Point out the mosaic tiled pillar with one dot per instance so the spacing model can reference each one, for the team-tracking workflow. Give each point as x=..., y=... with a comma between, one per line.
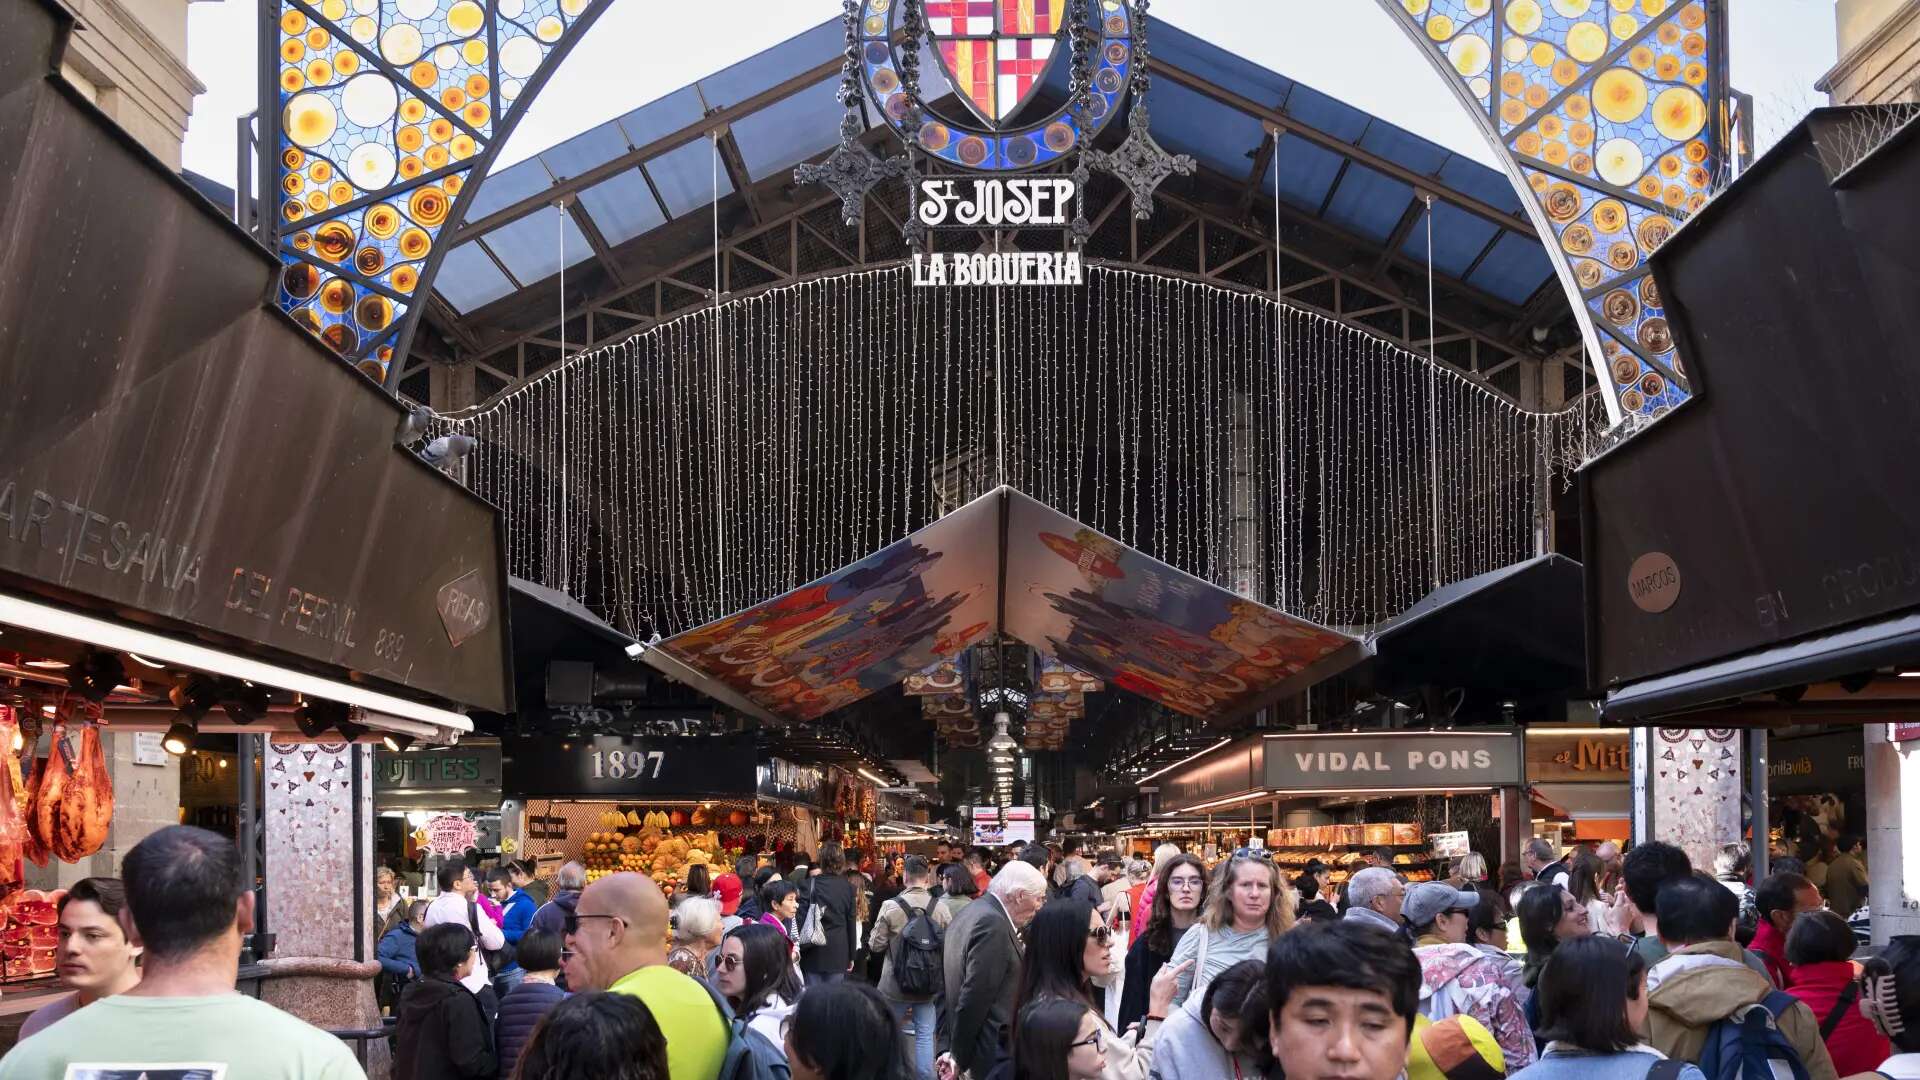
x=318, y=821
x=1695, y=782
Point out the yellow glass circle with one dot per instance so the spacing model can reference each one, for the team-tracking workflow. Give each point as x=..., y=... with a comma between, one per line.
x=429, y=206
x=1541, y=54
x=345, y=63
x=1693, y=17
x=1477, y=8
x=293, y=183
x=382, y=222
x=309, y=120
x=1514, y=49
x=1586, y=42
x=435, y=156
x=1554, y=152
x=413, y=110
x=340, y=192
x=465, y=17
x=1609, y=216
x=476, y=86
x=1572, y=9
x=1668, y=34
x=1550, y=127
x=404, y=278
x=1577, y=107
x=320, y=72
x=1565, y=72
x=1620, y=95
x=363, y=29
x=453, y=97
x=1440, y=27
x=1581, y=163
x=1640, y=57
x=1625, y=26
x=321, y=170
x=410, y=167
x=333, y=240
x=334, y=9
x=462, y=148
x=1696, y=74
x=549, y=29
x=474, y=51
x=1414, y=7
x=1679, y=113
x=1653, y=7
x=409, y=139
x=291, y=80
x=293, y=22
x=440, y=129
x=423, y=74
x=1528, y=143
x=1669, y=166
x=318, y=38
x=1536, y=96
x=336, y=296
x=476, y=113
x=1523, y=16
x=1667, y=68
x=1650, y=186
x=414, y=243
x=293, y=50
x=1581, y=134
x=1620, y=161
x=316, y=201
x=1471, y=55
x=452, y=183
x=1513, y=111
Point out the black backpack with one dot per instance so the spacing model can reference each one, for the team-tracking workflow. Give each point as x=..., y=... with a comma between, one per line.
x=915, y=954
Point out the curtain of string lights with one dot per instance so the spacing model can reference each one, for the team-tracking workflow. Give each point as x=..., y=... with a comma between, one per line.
x=724, y=458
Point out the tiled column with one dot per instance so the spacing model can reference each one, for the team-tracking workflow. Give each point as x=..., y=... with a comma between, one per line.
x=318, y=822
x=1695, y=781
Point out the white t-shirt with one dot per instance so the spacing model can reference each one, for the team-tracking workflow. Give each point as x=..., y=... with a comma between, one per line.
x=451, y=907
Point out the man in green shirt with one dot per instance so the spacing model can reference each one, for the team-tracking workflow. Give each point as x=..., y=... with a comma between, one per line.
x=188, y=907
x=618, y=936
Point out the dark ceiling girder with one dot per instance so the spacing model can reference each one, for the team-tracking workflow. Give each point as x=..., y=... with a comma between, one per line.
x=718, y=119
x=595, y=240
x=1352, y=152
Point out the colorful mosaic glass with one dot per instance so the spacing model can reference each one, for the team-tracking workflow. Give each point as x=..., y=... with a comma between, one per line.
x=385, y=110
x=1606, y=108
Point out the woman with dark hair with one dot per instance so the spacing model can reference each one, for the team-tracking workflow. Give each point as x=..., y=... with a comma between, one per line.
x=1593, y=1005
x=1059, y=1040
x=780, y=907
x=751, y=888
x=1583, y=880
x=1312, y=882
x=1246, y=909
x=846, y=1031
x=959, y=889
x=538, y=954
x=831, y=892
x=443, y=1031
x=755, y=974
x=699, y=881
x=1178, y=893
x=1222, y=1033
x=597, y=1036
x=95, y=958
x=1067, y=956
x=1820, y=955
x=1549, y=917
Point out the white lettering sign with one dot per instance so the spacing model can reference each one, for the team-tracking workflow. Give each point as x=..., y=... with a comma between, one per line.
x=1000, y=203
x=999, y=268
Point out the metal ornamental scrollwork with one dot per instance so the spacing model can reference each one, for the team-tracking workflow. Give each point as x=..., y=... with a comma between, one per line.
x=1140, y=162
x=852, y=170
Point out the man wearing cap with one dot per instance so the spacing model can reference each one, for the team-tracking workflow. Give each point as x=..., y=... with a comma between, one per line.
x=1456, y=978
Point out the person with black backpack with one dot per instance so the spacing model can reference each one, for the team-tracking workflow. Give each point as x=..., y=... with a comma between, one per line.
x=909, y=931
x=1706, y=1006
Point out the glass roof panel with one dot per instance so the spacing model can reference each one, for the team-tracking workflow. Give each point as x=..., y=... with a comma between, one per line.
x=622, y=207
x=1307, y=171
x=1514, y=270
x=1219, y=136
x=685, y=177
x=1368, y=203
x=531, y=247
x=468, y=279
x=1458, y=239
x=789, y=131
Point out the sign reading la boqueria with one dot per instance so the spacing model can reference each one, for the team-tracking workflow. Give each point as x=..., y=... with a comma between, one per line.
x=1036, y=202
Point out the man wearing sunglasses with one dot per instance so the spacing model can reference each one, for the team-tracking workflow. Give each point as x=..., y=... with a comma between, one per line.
x=617, y=938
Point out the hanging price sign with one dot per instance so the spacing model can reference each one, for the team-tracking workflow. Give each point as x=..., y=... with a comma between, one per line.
x=451, y=834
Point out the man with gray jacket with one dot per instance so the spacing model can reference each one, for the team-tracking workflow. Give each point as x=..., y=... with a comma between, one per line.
x=923, y=1010
x=981, y=956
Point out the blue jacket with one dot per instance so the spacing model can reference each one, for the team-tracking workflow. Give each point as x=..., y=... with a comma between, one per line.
x=520, y=1010
x=516, y=916
x=398, y=952
x=552, y=915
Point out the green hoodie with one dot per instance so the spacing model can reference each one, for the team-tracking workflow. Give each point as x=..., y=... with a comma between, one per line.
x=1699, y=985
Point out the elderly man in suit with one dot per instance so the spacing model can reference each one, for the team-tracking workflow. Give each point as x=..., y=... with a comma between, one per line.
x=981, y=956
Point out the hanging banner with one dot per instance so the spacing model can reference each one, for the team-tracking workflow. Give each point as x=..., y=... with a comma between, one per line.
x=450, y=834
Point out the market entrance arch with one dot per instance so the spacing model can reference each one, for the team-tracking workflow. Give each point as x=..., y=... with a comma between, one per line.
x=1607, y=115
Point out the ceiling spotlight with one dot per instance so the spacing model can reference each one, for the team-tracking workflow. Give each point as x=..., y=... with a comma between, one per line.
x=395, y=741
x=154, y=664
x=47, y=665
x=314, y=717
x=351, y=731
x=179, y=738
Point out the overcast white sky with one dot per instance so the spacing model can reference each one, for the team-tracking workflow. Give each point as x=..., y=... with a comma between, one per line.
x=643, y=49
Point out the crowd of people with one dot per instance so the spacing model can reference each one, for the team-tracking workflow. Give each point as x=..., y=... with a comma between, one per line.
x=1038, y=964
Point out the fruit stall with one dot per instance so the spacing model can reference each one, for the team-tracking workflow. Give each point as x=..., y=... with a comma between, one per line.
x=660, y=805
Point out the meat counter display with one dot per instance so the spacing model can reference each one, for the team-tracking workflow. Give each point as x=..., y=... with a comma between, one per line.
x=59, y=806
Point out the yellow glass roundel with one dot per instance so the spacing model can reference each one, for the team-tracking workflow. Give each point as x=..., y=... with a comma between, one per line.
x=1586, y=42
x=1620, y=95
x=310, y=120
x=1620, y=161
x=465, y=18
x=1523, y=16
x=1679, y=113
x=1572, y=9
x=1470, y=54
x=1414, y=7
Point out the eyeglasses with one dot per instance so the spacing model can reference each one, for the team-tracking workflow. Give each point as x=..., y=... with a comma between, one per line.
x=728, y=963
x=572, y=924
x=1103, y=935
x=1184, y=882
x=1094, y=1040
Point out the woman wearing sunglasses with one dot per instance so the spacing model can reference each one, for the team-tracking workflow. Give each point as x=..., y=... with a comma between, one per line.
x=1059, y=1039
x=1178, y=893
x=755, y=974
x=1067, y=956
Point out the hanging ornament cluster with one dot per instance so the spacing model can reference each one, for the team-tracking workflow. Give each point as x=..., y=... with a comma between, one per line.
x=852, y=170
x=735, y=454
x=1139, y=162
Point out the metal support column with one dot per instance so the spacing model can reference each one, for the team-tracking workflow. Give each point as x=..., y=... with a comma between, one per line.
x=1757, y=800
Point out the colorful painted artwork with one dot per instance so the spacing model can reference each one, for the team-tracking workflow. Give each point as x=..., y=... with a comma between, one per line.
x=945, y=676
x=1144, y=627
x=1697, y=788
x=870, y=625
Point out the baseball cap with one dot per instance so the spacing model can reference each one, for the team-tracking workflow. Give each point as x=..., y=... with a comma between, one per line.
x=1431, y=898
x=728, y=886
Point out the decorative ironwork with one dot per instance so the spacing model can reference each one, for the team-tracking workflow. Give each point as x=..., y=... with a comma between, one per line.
x=1080, y=93
x=852, y=170
x=1140, y=162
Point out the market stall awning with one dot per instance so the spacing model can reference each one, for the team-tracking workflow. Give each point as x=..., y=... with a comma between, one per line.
x=1007, y=562
x=1883, y=643
x=1515, y=631
x=180, y=459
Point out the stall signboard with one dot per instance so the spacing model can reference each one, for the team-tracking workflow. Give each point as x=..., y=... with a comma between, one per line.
x=987, y=831
x=460, y=768
x=1016, y=825
x=450, y=834
x=1219, y=774
x=1903, y=732
x=1400, y=760
x=1814, y=764
x=785, y=781
x=624, y=767
x=1450, y=845
x=1596, y=757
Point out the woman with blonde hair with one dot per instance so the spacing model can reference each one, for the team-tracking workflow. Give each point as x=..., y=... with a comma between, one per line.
x=1471, y=871
x=1247, y=907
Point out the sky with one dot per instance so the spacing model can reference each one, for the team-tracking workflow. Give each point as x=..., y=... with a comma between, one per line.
x=641, y=50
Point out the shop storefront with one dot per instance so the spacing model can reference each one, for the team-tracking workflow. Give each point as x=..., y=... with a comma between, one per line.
x=1337, y=797
x=417, y=797
x=1816, y=790
x=660, y=805
x=1581, y=784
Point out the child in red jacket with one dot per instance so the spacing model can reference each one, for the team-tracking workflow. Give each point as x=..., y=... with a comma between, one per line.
x=1820, y=950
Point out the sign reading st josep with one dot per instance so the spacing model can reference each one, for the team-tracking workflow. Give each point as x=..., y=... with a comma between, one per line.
x=987, y=203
